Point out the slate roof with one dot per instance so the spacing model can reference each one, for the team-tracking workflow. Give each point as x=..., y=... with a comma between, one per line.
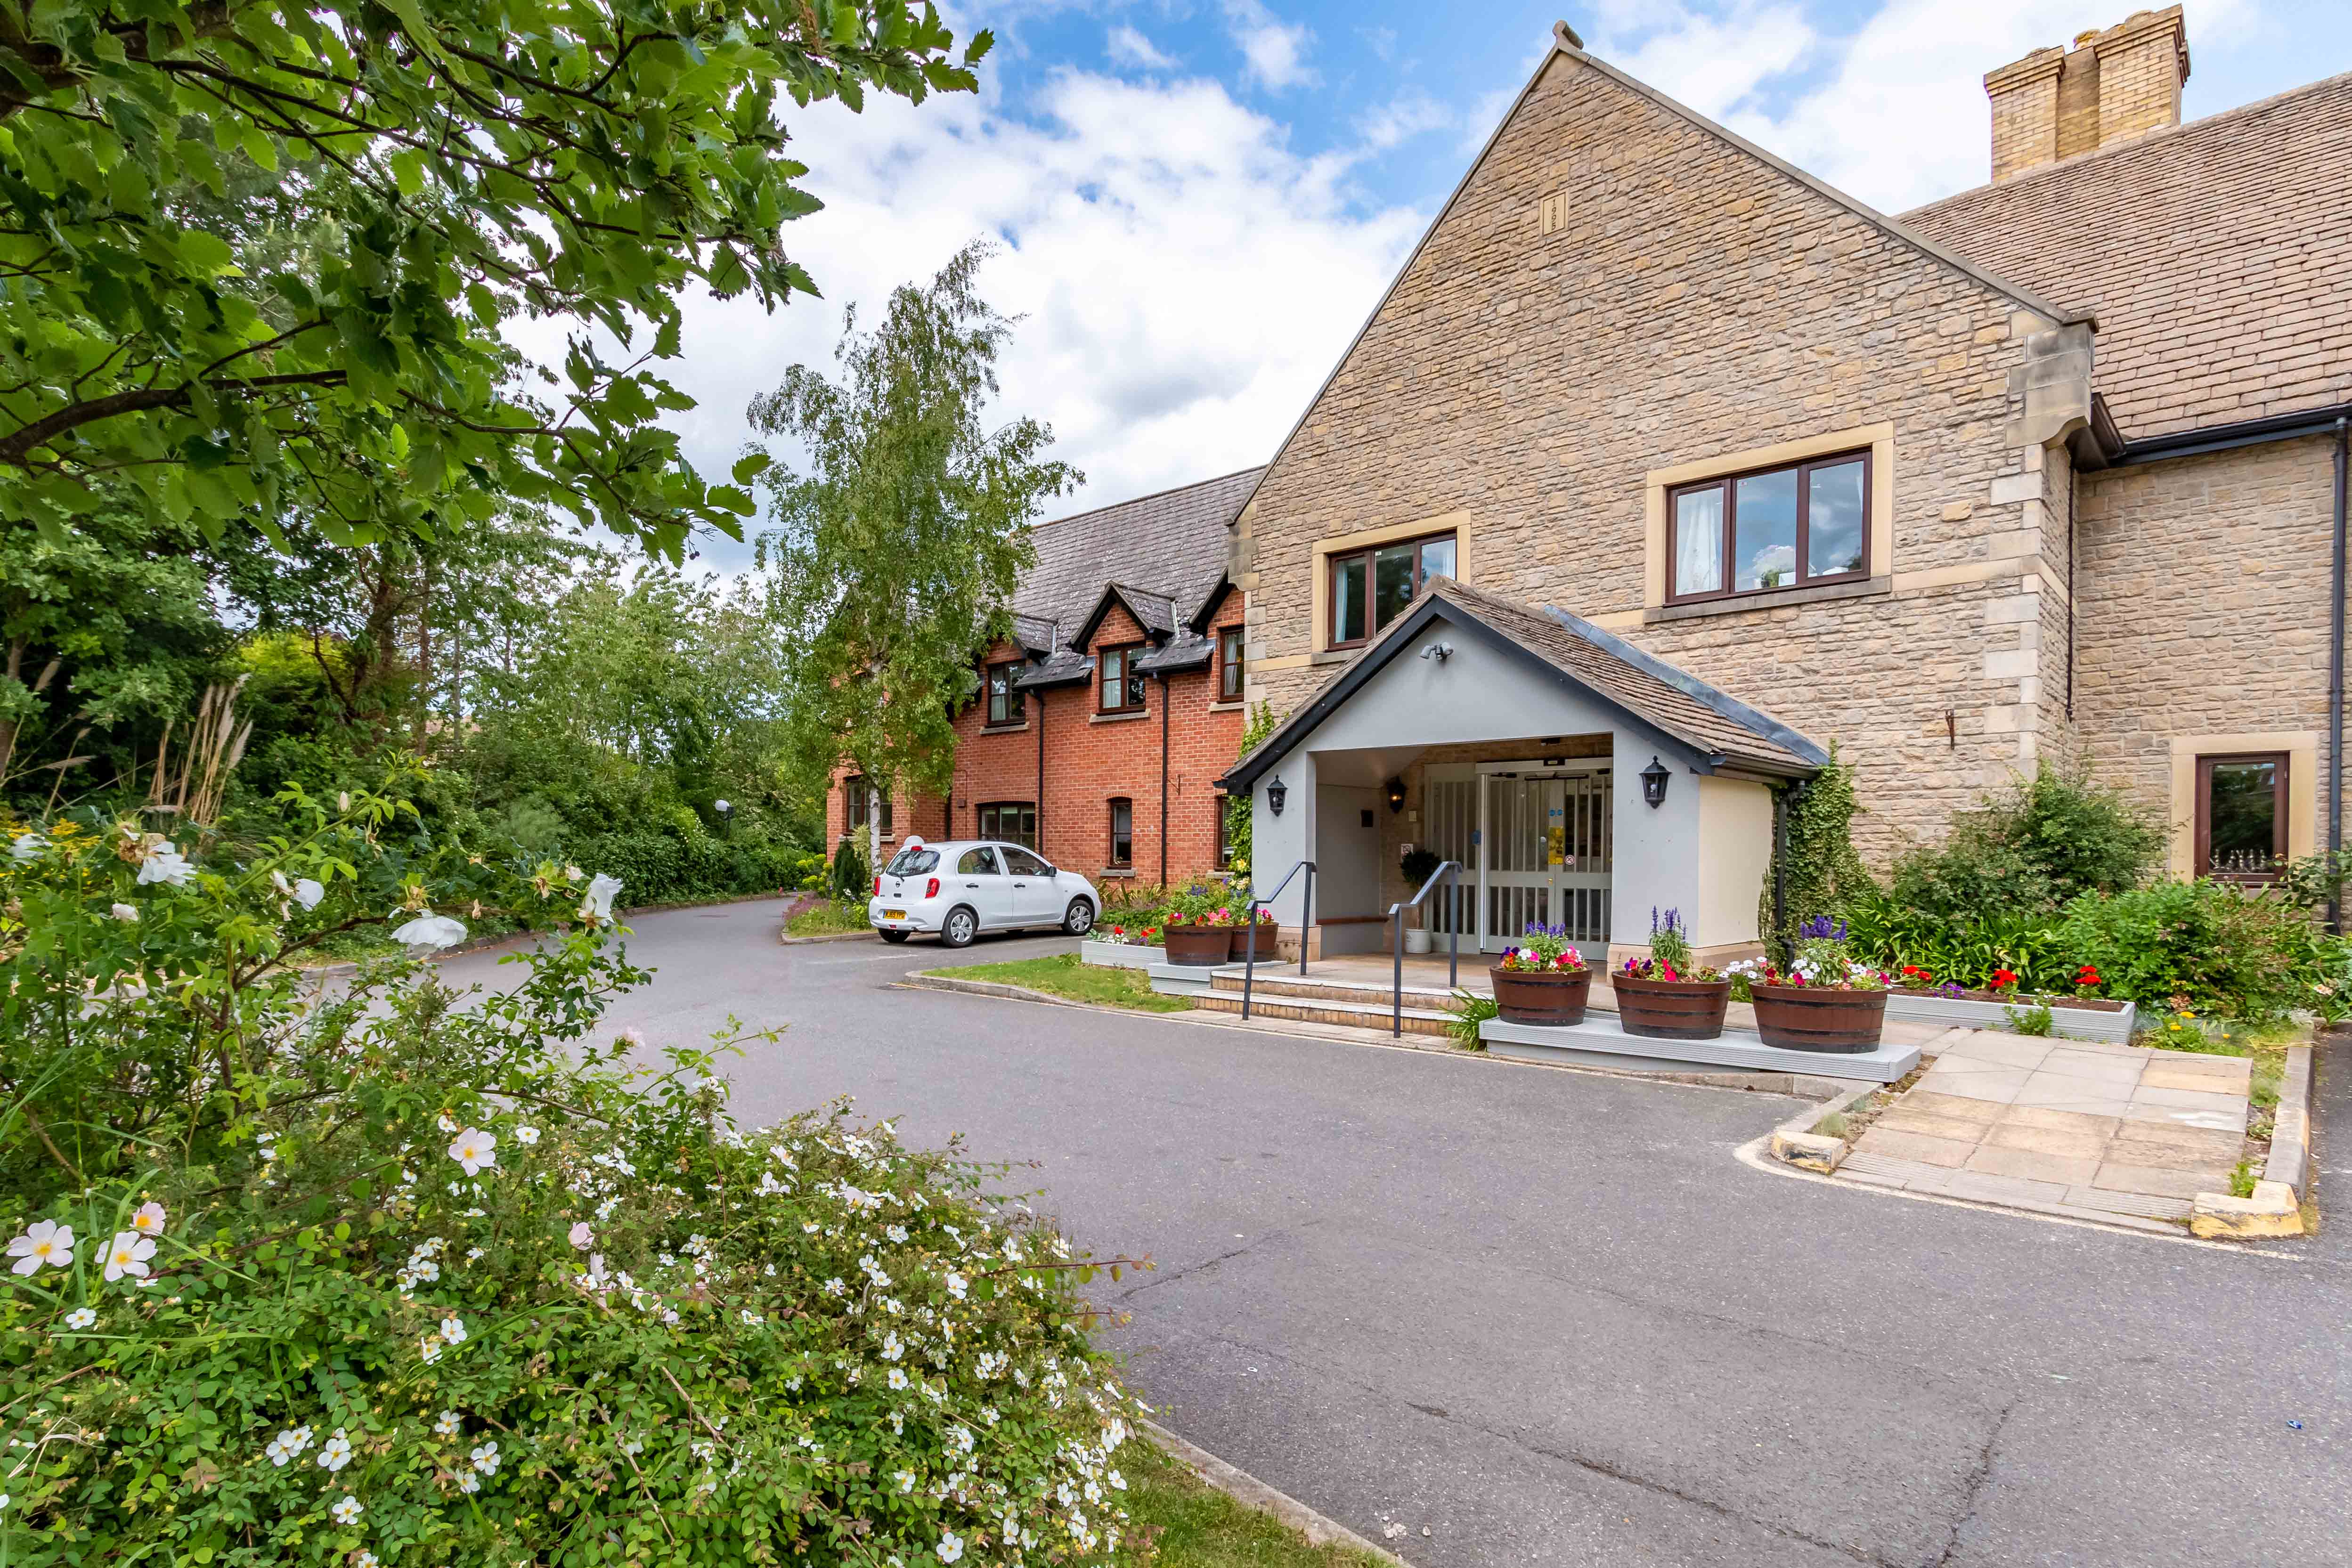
x=1169, y=547
x=1188, y=649
x=1709, y=721
x=2215, y=255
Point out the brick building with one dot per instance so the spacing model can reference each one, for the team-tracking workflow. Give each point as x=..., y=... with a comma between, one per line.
x=2048, y=469
x=1101, y=728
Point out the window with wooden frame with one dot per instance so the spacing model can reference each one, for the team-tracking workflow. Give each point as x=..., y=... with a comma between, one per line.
x=1370, y=586
x=2241, y=815
x=1229, y=664
x=1004, y=699
x=1122, y=686
x=858, y=798
x=1014, y=821
x=1122, y=832
x=1224, y=833
x=1790, y=527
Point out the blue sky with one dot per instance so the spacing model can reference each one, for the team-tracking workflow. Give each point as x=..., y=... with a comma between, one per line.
x=1195, y=204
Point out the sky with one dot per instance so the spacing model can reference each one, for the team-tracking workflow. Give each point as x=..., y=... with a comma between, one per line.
x=1196, y=202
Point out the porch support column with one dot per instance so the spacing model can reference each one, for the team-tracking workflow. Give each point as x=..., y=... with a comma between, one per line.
x=1278, y=843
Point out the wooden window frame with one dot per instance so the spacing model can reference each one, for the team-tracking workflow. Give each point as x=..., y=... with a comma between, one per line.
x=1114, y=862
x=853, y=791
x=2201, y=853
x=1015, y=701
x=1134, y=685
x=1728, y=484
x=1231, y=662
x=987, y=822
x=1224, y=833
x=1361, y=561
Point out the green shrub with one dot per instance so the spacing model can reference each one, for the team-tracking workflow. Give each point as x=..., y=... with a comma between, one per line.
x=2219, y=947
x=2032, y=849
x=1962, y=948
x=1819, y=870
x=1468, y=1009
x=413, y=1277
x=851, y=877
x=679, y=867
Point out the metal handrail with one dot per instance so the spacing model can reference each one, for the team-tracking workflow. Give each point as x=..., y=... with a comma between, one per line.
x=1450, y=872
x=1305, y=925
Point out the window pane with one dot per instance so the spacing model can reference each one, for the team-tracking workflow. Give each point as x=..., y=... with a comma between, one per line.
x=1764, y=522
x=1114, y=667
x=1436, y=560
x=1021, y=863
x=2244, y=813
x=1833, y=520
x=1699, y=541
x=1135, y=680
x=977, y=862
x=999, y=687
x=1122, y=832
x=1348, y=599
x=1391, y=581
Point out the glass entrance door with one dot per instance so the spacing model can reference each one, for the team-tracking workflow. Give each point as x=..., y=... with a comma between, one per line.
x=1545, y=854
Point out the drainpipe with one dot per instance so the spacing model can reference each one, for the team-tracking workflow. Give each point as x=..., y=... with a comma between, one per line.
x=1040, y=807
x=2071, y=592
x=1163, y=778
x=1780, y=868
x=2335, y=686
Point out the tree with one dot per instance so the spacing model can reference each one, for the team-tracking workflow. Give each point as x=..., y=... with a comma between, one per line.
x=898, y=549
x=460, y=164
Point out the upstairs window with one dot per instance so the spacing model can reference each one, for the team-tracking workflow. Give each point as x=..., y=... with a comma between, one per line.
x=1790, y=527
x=1229, y=664
x=1005, y=698
x=1122, y=687
x=2241, y=815
x=1370, y=586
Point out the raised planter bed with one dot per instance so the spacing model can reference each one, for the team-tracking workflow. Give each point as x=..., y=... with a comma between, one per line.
x=1120, y=954
x=2076, y=1017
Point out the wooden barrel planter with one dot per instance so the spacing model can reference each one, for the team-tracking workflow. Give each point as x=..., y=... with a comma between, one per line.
x=1266, y=932
x=1813, y=1018
x=1671, y=1009
x=1541, y=997
x=1200, y=947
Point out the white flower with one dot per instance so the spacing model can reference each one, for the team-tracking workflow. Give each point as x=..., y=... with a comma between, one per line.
x=429, y=1347
x=898, y=1377
x=485, y=1457
x=148, y=1220
x=287, y=1445
x=951, y=1546
x=44, y=1241
x=526, y=1136
x=308, y=893
x=581, y=1237
x=595, y=1278
x=895, y=1232
x=431, y=930
x=957, y=1285
x=81, y=1318
x=598, y=904
x=474, y=1150
x=166, y=864
x=467, y=1481
x=347, y=1510
x=453, y=1331
x=337, y=1453
x=447, y=1424
x=748, y=1316
x=128, y=1254
x=127, y=913
x=364, y=1560
x=905, y=1480
x=28, y=847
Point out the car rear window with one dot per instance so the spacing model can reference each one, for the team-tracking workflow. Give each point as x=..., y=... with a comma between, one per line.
x=911, y=863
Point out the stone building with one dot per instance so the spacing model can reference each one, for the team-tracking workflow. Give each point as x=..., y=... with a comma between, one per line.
x=1662, y=467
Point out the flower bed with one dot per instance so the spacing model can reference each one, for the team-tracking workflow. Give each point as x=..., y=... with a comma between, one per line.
x=1122, y=955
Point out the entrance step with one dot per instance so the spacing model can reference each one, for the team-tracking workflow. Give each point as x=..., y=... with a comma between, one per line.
x=1419, y=1018
x=1356, y=992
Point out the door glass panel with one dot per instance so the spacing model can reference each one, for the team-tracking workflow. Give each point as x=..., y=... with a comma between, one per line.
x=1833, y=521
x=1436, y=560
x=1347, y=601
x=1764, y=512
x=2244, y=813
x=1699, y=541
x=1391, y=582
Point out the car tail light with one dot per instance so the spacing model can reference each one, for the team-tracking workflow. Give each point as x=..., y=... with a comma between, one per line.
x=877, y=884
x=931, y=888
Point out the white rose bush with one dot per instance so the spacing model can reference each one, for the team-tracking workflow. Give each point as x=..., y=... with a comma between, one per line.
x=379, y=1273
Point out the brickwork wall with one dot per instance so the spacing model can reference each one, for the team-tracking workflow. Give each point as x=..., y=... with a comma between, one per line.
x=2078, y=103
x=2140, y=76
x=2204, y=606
x=1698, y=304
x=2024, y=120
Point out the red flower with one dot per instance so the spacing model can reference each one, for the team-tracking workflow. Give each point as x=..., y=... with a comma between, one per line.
x=2002, y=979
x=2089, y=975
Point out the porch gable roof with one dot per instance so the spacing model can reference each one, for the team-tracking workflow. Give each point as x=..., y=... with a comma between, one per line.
x=1713, y=723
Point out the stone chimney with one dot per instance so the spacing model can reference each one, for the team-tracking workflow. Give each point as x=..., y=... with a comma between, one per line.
x=2108, y=87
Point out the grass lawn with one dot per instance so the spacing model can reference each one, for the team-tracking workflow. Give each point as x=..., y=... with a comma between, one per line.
x=1197, y=1526
x=828, y=920
x=1063, y=975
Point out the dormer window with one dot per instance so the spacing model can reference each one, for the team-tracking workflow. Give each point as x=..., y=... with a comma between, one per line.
x=1122, y=686
x=1004, y=699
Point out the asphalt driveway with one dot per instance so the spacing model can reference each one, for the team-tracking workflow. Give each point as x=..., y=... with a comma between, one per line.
x=1551, y=1318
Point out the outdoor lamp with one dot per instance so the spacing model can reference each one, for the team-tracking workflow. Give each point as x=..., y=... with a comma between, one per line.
x=720, y=807
x=1276, y=794
x=1395, y=788
x=1654, y=782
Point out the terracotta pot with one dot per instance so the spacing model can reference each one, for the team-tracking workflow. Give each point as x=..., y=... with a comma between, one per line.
x=1540, y=997
x=1671, y=1009
x=1266, y=932
x=1202, y=946
x=1812, y=1018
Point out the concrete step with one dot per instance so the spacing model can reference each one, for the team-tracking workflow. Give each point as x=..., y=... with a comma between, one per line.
x=1282, y=984
x=1323, y=1009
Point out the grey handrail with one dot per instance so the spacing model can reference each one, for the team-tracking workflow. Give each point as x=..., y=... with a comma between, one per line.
x=1449, y=872
x=1306, y=927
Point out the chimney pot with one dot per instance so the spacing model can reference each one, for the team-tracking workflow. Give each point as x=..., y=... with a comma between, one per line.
x=2115, y=83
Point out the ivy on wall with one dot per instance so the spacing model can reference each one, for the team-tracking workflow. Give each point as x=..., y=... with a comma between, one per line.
x=1237, y=809
x=1816, y=855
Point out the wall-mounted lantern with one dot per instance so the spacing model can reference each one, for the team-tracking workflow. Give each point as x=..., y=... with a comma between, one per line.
x=1654, y=782
x=1395, y=788
x=1276, y=794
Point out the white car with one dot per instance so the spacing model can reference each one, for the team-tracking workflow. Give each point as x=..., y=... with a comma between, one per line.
x=965, y=887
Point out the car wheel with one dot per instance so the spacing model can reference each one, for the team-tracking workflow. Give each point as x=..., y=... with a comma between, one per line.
x=960, y=927
x=894, y=936
x=1079, y=918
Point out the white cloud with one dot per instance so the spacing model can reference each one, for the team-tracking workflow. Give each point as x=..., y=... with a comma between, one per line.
x=1402, y=118
x=1274, y=51
x=1714, y=64
x=1130, y=47
x=1186, y=280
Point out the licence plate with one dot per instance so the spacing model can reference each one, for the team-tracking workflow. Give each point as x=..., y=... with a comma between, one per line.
x=894, y=915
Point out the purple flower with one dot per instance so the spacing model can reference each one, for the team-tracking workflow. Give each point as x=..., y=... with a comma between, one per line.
x=1821, y=927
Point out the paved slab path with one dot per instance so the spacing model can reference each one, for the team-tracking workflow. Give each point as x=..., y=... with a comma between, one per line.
x=1549, y=1317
